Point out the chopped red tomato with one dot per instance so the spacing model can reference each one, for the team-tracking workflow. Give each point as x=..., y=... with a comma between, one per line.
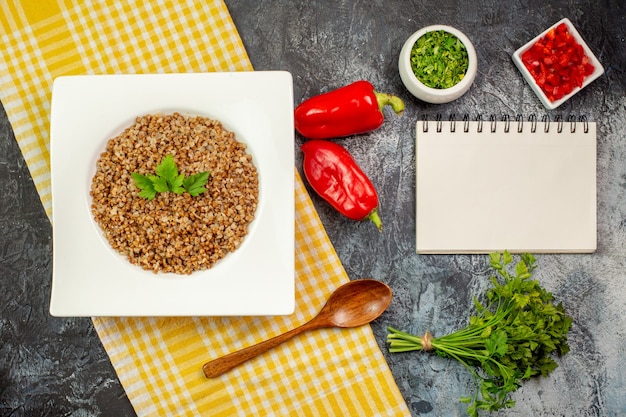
x=558, y=63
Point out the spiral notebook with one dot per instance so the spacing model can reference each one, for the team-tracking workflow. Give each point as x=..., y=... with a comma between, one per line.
x=522, y=185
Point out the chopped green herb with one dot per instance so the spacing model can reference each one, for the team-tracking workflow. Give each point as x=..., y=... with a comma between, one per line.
x=439, y=59
x=510, y=339
x=167, y=179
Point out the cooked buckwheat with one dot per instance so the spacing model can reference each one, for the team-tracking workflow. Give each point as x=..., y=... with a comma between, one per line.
x=175, y=232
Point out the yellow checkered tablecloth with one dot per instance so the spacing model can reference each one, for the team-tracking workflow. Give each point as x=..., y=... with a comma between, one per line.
x=159, y=360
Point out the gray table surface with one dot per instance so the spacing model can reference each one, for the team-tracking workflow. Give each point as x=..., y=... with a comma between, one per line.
x=57, y=366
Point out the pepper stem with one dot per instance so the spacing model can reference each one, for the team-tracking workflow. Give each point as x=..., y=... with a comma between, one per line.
x=375, y=218
x=395, y=102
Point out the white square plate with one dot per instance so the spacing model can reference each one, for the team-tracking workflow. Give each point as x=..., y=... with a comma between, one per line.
x=89, y=278
x=517, y=59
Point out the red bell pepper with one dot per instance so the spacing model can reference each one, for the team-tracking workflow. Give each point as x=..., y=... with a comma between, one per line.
x=558, y=63
x=336, y=177
x=350, y=110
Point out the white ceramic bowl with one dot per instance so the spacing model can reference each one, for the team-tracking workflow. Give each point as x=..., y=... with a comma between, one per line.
x=517, y=59
x=429, y=94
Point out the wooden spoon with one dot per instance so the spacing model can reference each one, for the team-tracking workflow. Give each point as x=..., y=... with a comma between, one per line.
x=351, y=305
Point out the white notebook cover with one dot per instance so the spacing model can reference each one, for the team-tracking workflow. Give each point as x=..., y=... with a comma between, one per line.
x=530, y=191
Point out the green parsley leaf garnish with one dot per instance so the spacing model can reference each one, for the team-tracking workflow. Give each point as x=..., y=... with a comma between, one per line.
x=513, y=336
x=145, y=184
x=167, y=179
x=160, y=183
x=439, y=59
x=194, y=184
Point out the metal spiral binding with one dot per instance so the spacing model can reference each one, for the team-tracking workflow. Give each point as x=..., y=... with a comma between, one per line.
x=533, y=123
x=507, y=123
x=546, y=123
x=520, y=123
x=583, y=120
x=425, y=124
x=506, y=119
x=559, y=121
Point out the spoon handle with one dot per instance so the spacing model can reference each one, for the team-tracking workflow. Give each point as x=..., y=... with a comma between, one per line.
x=224, y=364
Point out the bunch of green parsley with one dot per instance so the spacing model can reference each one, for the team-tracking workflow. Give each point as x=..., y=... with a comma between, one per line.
x=512, y=337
